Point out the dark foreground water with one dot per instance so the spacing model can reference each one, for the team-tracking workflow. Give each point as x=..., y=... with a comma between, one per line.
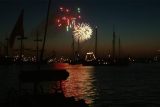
x=136, y=85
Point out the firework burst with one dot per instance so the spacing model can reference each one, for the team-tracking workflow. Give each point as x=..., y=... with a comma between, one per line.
x=67, y=18
x=82, y=32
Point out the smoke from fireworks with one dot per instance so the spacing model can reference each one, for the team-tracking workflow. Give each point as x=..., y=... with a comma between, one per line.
x=82, y=32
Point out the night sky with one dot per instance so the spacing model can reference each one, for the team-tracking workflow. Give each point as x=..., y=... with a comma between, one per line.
x=137, y=22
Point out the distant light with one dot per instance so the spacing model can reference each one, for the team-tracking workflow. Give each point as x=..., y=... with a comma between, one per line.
x=50, y=60
x=90, y=54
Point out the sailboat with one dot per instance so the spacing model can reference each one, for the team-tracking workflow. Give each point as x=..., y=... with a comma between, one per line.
x=35, y=77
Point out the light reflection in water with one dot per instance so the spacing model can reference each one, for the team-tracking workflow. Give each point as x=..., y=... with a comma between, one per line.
x=80, y=83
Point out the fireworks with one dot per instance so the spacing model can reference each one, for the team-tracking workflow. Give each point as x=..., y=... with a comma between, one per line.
x=82, y=32
x=67, y=18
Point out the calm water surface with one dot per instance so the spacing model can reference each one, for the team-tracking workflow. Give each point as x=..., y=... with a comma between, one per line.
x=81, y=83
x=136, y=85
x=110, y=86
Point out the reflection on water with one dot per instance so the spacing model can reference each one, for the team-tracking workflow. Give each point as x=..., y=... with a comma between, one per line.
x=115, y=86
x=80, y=83
x=101, y=86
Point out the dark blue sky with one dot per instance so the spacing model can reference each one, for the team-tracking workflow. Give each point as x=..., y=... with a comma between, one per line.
x=136, y=21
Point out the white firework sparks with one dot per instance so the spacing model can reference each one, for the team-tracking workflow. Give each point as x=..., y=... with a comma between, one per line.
x=82, y=32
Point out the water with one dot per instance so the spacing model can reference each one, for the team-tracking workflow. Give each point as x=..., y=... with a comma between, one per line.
x=80, y=83
x=136, y=85
x=109, y=86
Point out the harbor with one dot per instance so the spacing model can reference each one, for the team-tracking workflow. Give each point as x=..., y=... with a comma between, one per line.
x=64, y=53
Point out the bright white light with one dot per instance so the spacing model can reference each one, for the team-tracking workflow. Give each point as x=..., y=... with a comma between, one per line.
x=90, y=57
x=82, y=32
x=89, y=53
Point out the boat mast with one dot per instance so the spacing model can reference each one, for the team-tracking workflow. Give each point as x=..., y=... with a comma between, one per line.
x=21, y=46
x=7, y=46
x=113, y=44
x=46, y=27
x=37, y=40
x=4, y=46
x=78, y=50
x=119, y=41
x=96, y=42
